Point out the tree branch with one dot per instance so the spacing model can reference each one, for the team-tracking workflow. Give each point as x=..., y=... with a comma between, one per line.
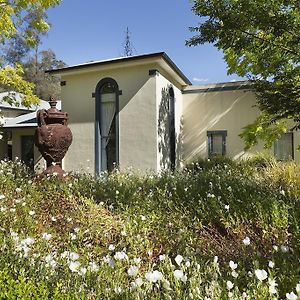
x=264, y=40
x=293, y=33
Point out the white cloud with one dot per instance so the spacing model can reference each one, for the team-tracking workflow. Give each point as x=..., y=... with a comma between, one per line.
x=200, y=79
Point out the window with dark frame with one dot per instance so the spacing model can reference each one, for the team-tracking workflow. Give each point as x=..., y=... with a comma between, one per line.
x=284, y=147
x=107, y=125
x=108, y=100
x=27, y=150
x=172, y=132
x=216, y=143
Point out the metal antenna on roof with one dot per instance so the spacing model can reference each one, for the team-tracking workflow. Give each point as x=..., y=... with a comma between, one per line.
x=128, y=46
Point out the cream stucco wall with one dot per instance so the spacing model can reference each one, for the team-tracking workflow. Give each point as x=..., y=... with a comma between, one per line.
x=219, y=110
x=138, y=129
x=229, y=110
x=137, y=117
x=143, y=117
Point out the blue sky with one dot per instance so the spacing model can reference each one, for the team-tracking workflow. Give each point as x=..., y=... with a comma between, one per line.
x=91, y=30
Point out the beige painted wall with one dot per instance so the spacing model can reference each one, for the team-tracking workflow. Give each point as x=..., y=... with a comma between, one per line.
x=140, y=135
x=138, y=129
x=226, y=110
x=137, y=126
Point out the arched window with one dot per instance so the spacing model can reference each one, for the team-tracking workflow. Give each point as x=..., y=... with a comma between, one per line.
x=172, y=132
x=107, y=140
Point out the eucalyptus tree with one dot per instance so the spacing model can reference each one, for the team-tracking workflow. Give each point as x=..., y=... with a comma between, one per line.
x=34, y=71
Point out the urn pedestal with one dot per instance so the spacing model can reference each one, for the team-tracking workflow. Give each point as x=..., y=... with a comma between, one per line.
x=53, y=137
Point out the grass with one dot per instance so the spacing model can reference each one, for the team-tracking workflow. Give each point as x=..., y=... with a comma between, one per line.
x=166, y=236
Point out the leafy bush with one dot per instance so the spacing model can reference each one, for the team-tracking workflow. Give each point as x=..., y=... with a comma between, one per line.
x=215, y=230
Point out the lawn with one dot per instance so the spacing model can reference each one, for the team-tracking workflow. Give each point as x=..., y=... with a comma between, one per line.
x=215, y=230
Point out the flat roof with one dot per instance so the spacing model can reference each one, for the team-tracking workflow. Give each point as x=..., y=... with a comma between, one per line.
x=161, y=55
x=28, y=120
x=219, y=87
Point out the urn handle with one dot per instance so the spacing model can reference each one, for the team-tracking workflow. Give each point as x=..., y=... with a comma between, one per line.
x=41, y=115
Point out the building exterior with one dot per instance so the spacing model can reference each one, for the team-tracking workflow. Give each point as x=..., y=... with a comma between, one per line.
x=8, y=113
x=142, y=112
x=18, y=133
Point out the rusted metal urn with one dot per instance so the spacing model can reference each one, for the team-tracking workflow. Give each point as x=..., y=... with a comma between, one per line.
x=53, y=137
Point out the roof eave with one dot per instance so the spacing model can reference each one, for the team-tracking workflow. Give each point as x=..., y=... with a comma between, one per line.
x=162, y=55
x=176, y=69
x=11, y=126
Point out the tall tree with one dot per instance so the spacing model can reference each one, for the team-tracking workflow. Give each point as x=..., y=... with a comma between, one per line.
x=34, y=34
x=15, y=50
x=260, y=40
x=14, y=14
x=34, y=71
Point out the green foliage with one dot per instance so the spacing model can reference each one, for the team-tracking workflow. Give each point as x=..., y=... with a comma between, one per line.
x=13, y=13
x=12, y=80
x=20, y=288
x=260, y=40
x=24, y=288
x=102, y=238
x=27, y=16
x=263, y=129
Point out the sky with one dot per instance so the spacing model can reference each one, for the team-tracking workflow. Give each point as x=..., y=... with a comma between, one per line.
x=93, y=30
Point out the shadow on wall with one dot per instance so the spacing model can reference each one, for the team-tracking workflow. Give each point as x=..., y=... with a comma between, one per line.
x=179, y=145
x=164, y=130
x=205, y=113
x=169, y=133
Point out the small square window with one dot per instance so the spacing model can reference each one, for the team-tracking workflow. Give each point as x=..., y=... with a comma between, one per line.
x=284, y=147
x=216, y=143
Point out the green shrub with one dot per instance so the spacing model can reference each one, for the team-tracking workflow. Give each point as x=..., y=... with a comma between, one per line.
x=85, y=237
